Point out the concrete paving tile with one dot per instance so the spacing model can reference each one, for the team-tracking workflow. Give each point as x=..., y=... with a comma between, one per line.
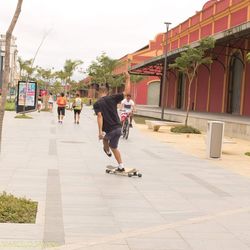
x=89, y=220
x=20, y=231
x=161, y=244
x=91, y=230
x=217, y=244
x=96, y=205
x=204, y=227
x=107, y=247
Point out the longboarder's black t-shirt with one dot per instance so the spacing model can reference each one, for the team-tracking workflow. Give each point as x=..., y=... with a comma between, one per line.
x=107, y=105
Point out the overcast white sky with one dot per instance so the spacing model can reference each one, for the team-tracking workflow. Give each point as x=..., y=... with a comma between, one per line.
x=83, y=29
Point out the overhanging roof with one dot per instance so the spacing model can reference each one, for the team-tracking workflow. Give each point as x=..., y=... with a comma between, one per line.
x=154, y=66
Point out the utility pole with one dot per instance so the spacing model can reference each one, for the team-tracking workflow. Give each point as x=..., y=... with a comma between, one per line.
x=164, y=82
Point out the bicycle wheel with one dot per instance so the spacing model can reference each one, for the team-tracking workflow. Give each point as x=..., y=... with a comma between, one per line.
x=126, y=130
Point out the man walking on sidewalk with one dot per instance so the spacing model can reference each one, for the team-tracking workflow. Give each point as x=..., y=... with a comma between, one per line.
x=61, y=102
x=109, y=125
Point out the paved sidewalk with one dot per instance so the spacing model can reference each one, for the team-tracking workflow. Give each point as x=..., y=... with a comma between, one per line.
x=180, y=203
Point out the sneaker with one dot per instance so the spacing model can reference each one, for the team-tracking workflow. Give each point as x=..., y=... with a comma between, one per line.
x=130, y=125
x=107, y=153
x=120, y=169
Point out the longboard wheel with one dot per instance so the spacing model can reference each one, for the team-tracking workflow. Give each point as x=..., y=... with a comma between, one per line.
x=130, y=175
x=107, y=171
x=139, y=175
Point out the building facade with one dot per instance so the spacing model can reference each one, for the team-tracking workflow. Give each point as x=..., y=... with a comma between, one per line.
x=224, y=87
x=13, y=61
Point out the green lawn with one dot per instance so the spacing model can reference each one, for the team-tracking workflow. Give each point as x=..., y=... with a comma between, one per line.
x=10, y=106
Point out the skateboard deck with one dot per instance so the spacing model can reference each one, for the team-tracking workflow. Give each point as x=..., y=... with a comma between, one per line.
x=128, y=171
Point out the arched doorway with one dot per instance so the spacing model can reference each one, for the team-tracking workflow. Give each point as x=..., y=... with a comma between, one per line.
x=234, y=85
x=153, y=97
x=180, y=100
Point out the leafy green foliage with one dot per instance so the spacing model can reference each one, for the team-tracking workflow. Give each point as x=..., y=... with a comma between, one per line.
x=25, y=68
x=191, y=58
x=247, y=153
x=10, y=105
x=17, y=210
x=101, y=72
x=70, y=67
x=189, y=61
x=185, y=129
x=136, y=78
x=56, y=87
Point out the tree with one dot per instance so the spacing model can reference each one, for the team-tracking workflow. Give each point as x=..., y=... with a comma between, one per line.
x=62, y=76
x=190, y=60
x=6, y=72
x=69, y=69
x=136, y=78
x=24, y=68
x=101, y=71
x=45, y=76
x=117, y=81
x=56, y=87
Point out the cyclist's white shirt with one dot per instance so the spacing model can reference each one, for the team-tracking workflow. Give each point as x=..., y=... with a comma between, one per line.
x=128, y=106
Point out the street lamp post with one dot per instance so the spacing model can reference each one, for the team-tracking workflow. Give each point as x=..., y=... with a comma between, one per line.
x=164, y=82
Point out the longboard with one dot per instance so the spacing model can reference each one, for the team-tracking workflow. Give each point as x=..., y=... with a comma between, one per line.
x=128, y=171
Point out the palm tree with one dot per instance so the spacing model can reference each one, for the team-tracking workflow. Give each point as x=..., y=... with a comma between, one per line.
x=7, y=64
x=69, y=69
x=45, y=76
x=62, y=76
x=24, y=68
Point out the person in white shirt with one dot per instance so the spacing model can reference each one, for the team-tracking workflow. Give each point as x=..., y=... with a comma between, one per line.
x=51, y=102
x=128, y=106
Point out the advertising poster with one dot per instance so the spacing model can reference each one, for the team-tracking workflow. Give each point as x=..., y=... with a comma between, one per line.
x=26, y=96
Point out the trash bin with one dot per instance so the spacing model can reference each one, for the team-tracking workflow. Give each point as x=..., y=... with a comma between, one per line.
x=215, y=133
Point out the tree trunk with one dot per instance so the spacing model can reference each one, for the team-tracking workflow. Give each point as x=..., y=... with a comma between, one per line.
x=6, y=72
x=189, y=99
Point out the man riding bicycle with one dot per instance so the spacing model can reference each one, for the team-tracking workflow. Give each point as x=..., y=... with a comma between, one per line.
x=128, y=106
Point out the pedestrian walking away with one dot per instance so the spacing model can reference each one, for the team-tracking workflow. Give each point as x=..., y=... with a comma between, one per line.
x=39, y=103
x=51, y=102
x=109, y=125
x=77, y=107
x=61, y=102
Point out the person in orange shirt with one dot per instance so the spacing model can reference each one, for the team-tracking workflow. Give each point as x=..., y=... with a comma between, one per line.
x=61, y=102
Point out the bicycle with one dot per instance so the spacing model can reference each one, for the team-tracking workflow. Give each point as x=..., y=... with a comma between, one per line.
x=125, y=124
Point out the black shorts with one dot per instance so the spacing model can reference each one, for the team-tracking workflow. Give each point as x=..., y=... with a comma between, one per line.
x=77, y=111
x=61, y=111
x=113, y=137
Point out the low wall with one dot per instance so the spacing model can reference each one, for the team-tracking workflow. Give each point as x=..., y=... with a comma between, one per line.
x=233, y=128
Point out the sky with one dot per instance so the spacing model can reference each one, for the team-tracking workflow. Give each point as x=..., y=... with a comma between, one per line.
x=83, y=29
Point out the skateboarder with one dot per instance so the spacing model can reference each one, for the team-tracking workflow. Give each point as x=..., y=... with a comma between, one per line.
x=109, y=125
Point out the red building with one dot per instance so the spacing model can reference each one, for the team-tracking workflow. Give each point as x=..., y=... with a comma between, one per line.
x=225, y=88
x=221, y=88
